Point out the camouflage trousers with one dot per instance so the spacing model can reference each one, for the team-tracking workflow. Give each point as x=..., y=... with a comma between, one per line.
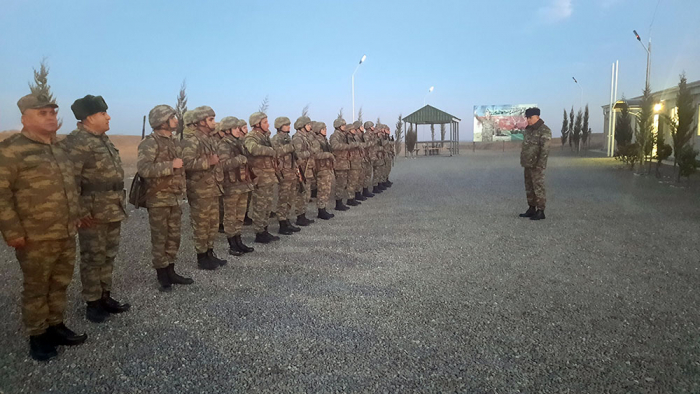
x=324, y=183
x=165, y=234
x=367, y=174
x=378, y=170
x=47, y=268
x=99, y=245
x=355, y=181
x=341, y=184
x=534, y=187
x=387, y=169
x=302, y=199
x=287, y=195
x=204, y=217
x=234, y=212
x=261, y=206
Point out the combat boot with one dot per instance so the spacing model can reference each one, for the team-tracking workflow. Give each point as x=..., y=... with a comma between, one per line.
x=205, y=263
x=113, y=306
x=64, y=336
x=274, y=237
x=353, y=203
x=263, y=237
x=376, y=190
x=381, y=186
x=314, y=193
x=241, y=245
x=360, y=197
x=339, y=206
x=284, y=228
x=175, y=278
x=325, y=215
x=539, y=215
x=303, y=221
x=247, y=221
x=212, y=256
x=233, y=248
x=293, y=227
x=164, y=279
x=95, y=312
x=41, y=348
x=529, y=213
x=367, y=193
x=388, y=183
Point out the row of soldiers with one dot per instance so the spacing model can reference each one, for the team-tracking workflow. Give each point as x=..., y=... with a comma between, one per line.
x=50, y=190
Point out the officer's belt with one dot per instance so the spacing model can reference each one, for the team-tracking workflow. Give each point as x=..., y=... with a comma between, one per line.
x=101, y=188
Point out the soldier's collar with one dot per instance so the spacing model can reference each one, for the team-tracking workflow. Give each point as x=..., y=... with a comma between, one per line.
x=37, y=138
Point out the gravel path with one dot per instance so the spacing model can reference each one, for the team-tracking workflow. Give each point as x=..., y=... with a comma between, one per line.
x=433, y=286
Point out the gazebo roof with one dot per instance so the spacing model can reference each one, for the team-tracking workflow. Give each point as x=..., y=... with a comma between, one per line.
x=430, y=115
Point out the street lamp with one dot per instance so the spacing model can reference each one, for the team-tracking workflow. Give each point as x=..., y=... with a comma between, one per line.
x=426, y=95
x=648, y=50
x=353, y=86
x=580, y=100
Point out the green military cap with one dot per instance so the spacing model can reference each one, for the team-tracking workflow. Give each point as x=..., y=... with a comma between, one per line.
x=88, y=105
x=160, y=114
x=338, y=122
x=350, y=127
x=241, y=123
x=313, y=123
x=228, y=123
x=201, y=113
x=357, y=124
x=368, y=125
x=188, y=117
x=301, y=122
x=256, y=118
x=32, y=101
x=318, y=126
x=281, y=121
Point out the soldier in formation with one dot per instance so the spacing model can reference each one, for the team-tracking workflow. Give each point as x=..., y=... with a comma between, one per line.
x=305, y=164
x=324, y=164
x=287, y=190
x=533, y=158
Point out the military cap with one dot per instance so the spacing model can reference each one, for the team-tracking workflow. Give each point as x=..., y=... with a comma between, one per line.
x=357, y=124
x=350, y=127
x=201, y=113
x=532, y=112
x=368, y=125
x=256, y=118
x=338, y=122
x=318, y=126
x=228, y=123
x=88, y=105
x=281, y=121
x=160, y=114
x=241, y=123
x=32, y=101
x=188, y=117
x=313, y=124
x=301, y=122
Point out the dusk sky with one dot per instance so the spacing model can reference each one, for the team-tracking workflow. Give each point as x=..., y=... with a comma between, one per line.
x=233, y=54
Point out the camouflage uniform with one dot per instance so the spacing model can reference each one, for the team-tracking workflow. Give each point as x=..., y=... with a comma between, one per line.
x=390, y=156
x=302, y=149
x=340, y=146
x=323, y=159
x=100, y=179
x=355, y=176
x=39, y=202
x=376, y=156
x=237, y=183
x=367, y=162
x=287, y=191
x=261, y=157
x=533, y=158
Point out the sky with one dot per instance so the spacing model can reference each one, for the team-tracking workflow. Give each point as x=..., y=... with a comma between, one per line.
x=233, y=54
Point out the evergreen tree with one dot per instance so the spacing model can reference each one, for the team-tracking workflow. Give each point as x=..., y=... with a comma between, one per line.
x=576, y=136
x=644, y=134
x=340, y=114
x=586, y=131
x=359, y=115
x=571, y=127
x=181, y=108
x=626, y=151
x=398, y=134
x=305, y=110
x=264, y=105
x=41, y=88
x=411, y=139
x=564, y=129
x=680, y=124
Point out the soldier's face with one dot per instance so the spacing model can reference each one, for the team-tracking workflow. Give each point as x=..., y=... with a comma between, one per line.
x=324, y=132
x=210, y=123
x=362, y=129
x=285, y=128
x=265, y=125
x=236, y=132
x=532, y=120
x=98, y=123
x=173, y=122
x=342, y=128
x=307, y=127
x=40, y=120
x=244, y=129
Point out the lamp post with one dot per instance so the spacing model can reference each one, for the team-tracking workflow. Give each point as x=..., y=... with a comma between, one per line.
x=426, y=95
x=353, y=85
x=647, y=48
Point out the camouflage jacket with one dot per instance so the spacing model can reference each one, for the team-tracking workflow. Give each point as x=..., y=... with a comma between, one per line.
x=387, y=148
x=535, y=150
x=321, y=151
x=98, y=174
x=234, y=162
x=203, y=180
x=38, y=195
x=341, y=146
x=165, y=186
x=356, y=153
x=376, y=153
x=302, y=146
x=261, y=157
x=282, y=143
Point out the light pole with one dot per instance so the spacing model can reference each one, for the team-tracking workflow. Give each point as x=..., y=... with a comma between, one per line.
x=648, y=50
x=580, y=100
x=353, y=86
x=426, y=95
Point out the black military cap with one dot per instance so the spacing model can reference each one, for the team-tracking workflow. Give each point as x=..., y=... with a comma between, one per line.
x=532, y=112
x=88, y=105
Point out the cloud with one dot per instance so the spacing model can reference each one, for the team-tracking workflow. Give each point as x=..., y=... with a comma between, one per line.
x=557, y=10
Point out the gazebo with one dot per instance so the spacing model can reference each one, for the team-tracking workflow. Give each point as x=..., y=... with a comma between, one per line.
x=432, y=116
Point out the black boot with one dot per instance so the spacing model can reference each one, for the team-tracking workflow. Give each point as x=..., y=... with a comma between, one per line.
x=95, y=312
x=212, y=256
x=529, y=213
x=113, y=306
x=164, y=280
x=376, y=190
x=242, y=246
x=177, y=279
x=205, y=263
x=293, y=227
x=274, y=237
x=284, y=228
x=263, y=238
x=41, y=348
x=247, y=221
x=303, y=221
x=233, y=248
x=314, y=193
x=388, y=183
x=339, y=206
x=360, y=197
x=539, y=215
x=353, y=203
x=64, y=336
x=323, y=214
x=367, y=193
x=381, y=186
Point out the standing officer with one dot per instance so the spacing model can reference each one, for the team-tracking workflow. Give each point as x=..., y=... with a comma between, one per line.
x=160, y=165
x=341, y=150
x=390, y=155
x=376, y=155
x=261, y=157
x=38, y=216
x=100, y=179
x=355, y=174
x=323, y=162
x=533, y=158
x=287, y=191
x=204, y=177
x=302, y=150
x=367, y=161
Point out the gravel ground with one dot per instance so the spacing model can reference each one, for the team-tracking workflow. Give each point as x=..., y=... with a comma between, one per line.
x=433, y=286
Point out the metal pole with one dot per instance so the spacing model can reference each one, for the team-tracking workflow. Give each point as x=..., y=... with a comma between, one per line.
x=617, y=73
x=610, y=109
x=353, y=95
x=648, y=62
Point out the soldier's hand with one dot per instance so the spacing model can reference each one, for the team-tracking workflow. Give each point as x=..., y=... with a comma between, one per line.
x=177, y=163
x=213, y=160
x=243, y=159
x=86, y=222
x=17, y=243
